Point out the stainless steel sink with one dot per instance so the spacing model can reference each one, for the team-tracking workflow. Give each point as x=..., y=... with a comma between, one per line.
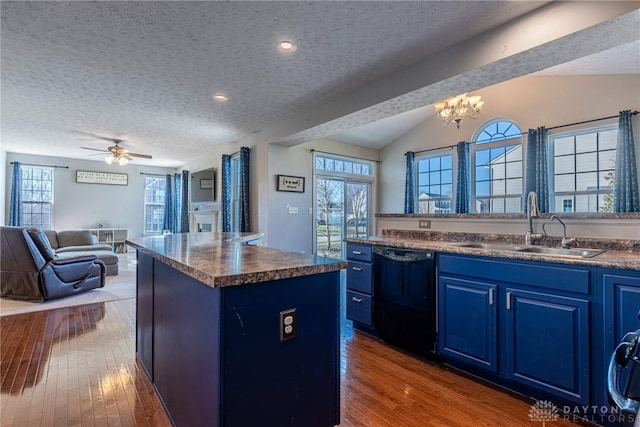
x=573, y=253
x=489, y=246
x=542, y=250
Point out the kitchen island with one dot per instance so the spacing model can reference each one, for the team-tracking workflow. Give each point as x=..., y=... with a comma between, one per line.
x=232, y=334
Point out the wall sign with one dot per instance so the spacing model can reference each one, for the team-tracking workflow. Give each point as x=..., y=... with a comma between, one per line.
x=206, y=183
x=88, y=177
x=291, y=183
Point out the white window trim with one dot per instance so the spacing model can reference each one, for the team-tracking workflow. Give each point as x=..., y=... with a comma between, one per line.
x=454, y=172
x=551, y=138
x=474, y=146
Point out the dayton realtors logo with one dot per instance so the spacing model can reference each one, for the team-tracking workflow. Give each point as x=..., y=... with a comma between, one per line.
x=544, y=410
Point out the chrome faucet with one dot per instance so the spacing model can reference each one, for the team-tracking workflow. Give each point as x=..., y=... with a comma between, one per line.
x=530, y=238
x=567, y=242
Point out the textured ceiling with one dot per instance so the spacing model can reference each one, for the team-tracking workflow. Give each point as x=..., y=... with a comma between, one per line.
x=145, y=72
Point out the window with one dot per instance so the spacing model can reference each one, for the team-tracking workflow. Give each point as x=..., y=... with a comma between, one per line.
x=435, y=183
x=37, y=197
x=583, y=170
x=567, y=205
x=154, y=200
x=342, y=165
x=496, y=163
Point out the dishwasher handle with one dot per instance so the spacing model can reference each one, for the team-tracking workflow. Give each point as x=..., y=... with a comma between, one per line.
x=402, y=255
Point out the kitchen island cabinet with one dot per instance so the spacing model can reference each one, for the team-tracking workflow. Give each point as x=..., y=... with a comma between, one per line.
x=212, y=332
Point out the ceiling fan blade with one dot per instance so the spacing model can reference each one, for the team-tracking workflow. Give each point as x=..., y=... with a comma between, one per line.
x=95, y=149
x=143, y=156
x=94, y=135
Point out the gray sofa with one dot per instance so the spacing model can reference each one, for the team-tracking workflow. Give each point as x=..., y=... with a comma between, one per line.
x=68, y=243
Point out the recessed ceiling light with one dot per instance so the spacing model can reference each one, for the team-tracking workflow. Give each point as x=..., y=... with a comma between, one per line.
x=286, y=46
x=220, y=97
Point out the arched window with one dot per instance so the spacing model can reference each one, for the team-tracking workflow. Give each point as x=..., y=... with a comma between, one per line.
x=496, y=168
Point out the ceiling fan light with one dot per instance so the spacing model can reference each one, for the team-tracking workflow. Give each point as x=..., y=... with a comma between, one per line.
x=108, y=159
x=124, y=160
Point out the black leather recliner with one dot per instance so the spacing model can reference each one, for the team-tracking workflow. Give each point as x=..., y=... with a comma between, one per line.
x=29, y=269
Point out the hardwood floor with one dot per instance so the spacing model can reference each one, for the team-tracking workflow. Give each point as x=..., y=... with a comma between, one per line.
x=76, y=367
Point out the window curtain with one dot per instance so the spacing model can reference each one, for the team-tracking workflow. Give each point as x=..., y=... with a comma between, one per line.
x=463, y=195
x=176, y=203
x=536, y=176
x=226, y=192
x=184, y=203
x=169, y=220
x=245, y=224
x=625, y=185
x=15, y=204
x=409, y=183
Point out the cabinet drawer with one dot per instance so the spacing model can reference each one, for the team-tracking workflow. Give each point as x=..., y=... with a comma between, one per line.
x=358, y=252
x=359, y=308
x=359, y=277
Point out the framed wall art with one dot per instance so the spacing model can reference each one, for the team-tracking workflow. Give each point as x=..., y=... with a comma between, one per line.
x=89, y=177
x=290, y=183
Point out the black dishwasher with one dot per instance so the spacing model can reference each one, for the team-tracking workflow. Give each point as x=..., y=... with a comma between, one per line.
x=405, y=298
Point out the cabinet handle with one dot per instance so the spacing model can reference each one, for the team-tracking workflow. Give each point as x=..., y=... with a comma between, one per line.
x=356, y=268
x=358, y=300
x=508, y=300
x=491, y=296
x=356, y=252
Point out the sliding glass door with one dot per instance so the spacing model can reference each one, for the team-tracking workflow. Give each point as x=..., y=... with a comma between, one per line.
x=342, y=192
x=342, y=211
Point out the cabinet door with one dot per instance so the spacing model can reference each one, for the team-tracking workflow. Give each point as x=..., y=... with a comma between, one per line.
x=467, y=319
x=623, y=304
x=547, y=343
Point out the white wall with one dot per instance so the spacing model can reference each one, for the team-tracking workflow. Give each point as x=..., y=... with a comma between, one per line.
x=84, y=205
x=5, y=185
x=295, y=231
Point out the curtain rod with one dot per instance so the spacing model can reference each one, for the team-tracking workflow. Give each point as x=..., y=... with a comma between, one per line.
x=633, y=113
x=342, y=155
x=46, y=166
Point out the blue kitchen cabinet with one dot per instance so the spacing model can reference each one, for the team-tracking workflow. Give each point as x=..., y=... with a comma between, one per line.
x=468, y=322
x=621, y=301
x=523, y=323
x=359, y=293
x=547, y=342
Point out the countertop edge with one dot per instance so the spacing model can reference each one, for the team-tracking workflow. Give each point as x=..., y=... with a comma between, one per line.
x=609, y=259
x=242, y=278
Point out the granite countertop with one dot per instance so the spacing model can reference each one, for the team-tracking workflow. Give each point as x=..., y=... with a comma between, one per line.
x=220, y=259
x=619, y=254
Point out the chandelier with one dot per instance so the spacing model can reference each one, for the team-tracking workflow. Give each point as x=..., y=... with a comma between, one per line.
x=121, y=157
x=458, y=107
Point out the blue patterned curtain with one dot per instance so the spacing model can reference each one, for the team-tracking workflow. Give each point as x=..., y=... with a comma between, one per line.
x=168, y=205
x=15, y=204
x=184, y=203
x=226, y=192
x=537, y=173
x=625, y=185
x=463, y=195
x=409, y=183
x=245, y=223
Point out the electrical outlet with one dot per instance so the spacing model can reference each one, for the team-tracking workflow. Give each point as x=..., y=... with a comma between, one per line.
x=424, y=223
x=288, y=324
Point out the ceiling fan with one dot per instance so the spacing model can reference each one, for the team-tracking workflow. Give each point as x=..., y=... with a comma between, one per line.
x=116, y=152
